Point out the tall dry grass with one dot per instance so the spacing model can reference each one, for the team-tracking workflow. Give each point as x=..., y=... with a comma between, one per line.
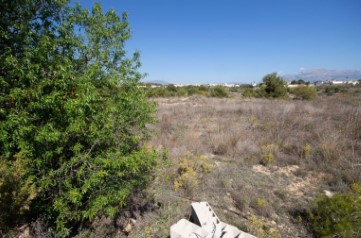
x=267, y=158
x=330, y=128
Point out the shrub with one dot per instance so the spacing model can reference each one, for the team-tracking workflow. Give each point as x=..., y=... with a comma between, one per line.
x=268, y=155
x=332, y=89
x=307, y=151
x=219, y=92
x=338, y=216
x=189, y=169
x=72, y=118
x=171, y=88
x=191, y=90
x=304, y=92
x=181, y=92
x=248, y=93
x=187, y=176
x=262, y=229
x=275, y=86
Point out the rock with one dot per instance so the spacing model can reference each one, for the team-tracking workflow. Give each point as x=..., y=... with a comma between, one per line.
x=127, y=228
x=328, y=193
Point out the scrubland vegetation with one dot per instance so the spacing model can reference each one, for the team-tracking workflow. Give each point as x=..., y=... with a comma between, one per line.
x=77, y=159
x=263, y=164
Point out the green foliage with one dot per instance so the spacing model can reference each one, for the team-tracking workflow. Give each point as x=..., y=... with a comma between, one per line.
x=338, y=216
x=219, y=92
x=268, y=155
x=171, y=88
x=171, y=91
x=304, y=92
x=191, y=90
x=300, y=81
x=189, y=170
x=307, y=151
x=255, y=92
x=275, y=86
x=263, y=229
x=16, y=195
x=248, y=92
x=72, y=118
x=181, y=92
x=332, y=89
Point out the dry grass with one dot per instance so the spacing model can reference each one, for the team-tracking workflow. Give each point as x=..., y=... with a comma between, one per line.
x=258, y=162
x=268, y=158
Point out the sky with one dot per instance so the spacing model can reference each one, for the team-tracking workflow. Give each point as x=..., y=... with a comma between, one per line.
x=227, y=41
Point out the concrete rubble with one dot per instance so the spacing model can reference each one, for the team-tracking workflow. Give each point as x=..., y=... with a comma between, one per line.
x=205, y=224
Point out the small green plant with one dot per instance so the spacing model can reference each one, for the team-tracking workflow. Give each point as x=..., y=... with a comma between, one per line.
x=262, y=229
x=261, y=207
x=261, y=202
x=268, y=154
x=338, y=216
x=189, y=169
x=307, y=151
x=187, y=177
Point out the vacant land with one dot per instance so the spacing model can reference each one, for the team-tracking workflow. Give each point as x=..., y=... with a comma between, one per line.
x=260, y=163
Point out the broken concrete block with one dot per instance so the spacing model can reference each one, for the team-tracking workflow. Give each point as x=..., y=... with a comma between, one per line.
x=206, y=224
x=203, y=214
x=186, y=229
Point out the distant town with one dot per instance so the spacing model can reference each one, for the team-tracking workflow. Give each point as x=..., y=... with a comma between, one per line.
x=290, y=84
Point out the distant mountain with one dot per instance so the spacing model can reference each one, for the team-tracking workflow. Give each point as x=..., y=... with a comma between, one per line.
x=313, y=75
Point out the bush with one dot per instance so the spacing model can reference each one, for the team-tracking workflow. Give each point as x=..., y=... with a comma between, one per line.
x=338, y=216
x=189, y=170
x=248, y=93
x=262, y=229
x=332, y=89
x=219, y=92
x=191, y=90
x=181, y=92
x=268, y=155
x=304, y=92
x=275, y=86
x=72, y=118
x=171, y=88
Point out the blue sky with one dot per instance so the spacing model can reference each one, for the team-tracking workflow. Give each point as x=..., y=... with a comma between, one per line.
x=209, y=41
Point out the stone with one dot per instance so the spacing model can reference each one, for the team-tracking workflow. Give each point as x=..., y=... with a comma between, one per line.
x=205, y=224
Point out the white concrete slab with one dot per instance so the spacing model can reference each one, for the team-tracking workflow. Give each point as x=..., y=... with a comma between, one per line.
x=206, y=224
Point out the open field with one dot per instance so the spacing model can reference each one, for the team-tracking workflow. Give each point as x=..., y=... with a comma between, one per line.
x=258, y=162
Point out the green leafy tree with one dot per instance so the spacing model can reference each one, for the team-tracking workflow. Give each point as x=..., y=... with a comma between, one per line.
x=275, y=86
x=72, y=119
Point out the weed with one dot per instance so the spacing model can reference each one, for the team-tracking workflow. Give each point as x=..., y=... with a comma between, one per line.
x=262, y=207
x=306, y=151
x=263, y=229
x=189, y=170
x=268, y=154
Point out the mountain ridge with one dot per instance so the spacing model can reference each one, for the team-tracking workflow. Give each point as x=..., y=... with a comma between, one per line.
x=314, y=75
